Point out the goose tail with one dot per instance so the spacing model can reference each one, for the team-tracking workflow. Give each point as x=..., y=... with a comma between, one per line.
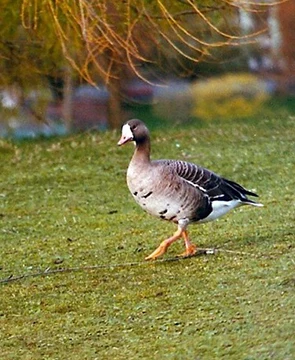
x=251, y=202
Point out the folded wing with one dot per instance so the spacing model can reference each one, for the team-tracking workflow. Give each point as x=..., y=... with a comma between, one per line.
x=214, y=186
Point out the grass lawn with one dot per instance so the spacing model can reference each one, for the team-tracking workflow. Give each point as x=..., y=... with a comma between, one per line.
x=64, y=203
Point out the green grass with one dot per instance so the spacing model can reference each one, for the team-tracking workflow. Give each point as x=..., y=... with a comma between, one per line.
x=64, y=203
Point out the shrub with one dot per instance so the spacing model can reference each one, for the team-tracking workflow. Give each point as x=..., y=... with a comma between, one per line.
x=230, y=96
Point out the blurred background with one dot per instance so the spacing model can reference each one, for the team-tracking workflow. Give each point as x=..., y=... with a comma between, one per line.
x=86, y=65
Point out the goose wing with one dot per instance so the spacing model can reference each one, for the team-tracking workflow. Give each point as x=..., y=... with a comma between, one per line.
x=214, y=186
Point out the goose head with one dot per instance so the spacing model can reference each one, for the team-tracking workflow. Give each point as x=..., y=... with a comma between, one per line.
x=134, y=130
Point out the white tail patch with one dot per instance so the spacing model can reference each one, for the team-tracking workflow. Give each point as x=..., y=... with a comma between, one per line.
x=220, y=208
x=254, y=204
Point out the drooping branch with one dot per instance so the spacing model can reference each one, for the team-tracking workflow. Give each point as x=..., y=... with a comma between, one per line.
x=98, y=35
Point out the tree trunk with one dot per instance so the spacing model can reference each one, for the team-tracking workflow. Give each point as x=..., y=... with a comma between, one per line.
x=286, y=14
x=67, y=106
x=115, y=117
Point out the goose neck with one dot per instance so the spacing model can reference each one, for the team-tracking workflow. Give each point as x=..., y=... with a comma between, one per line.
x=142, y=152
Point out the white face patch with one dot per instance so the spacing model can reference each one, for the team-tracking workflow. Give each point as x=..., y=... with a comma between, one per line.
x=126, y=135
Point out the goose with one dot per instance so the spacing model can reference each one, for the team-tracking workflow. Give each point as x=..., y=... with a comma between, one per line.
x=176, y=190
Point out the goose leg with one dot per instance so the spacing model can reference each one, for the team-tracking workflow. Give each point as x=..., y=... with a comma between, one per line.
x=190, y=248
x=165, y=244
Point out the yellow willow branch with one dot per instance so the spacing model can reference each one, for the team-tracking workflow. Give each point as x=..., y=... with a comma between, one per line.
x=92, y=57
x=73, y=20
x=183, y=40
x=113, y=38
x=35, y=15
x=85, y=69
x=128, y=53
x=62, y=38
x=102, y=26
x=169, y=41
x=256, y=4
x=121, y=43
x=109, y=71
x=171, y=21
x=83, y=21
x=208, y=22
x=130, y=43
x=56, y=23
x=182, y=13
x=169, y=18
x=25, y=7
x=253, y=7
x=228, y=36
x=177, y=49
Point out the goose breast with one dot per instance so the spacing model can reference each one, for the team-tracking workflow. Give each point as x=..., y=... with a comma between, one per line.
x=162, y=193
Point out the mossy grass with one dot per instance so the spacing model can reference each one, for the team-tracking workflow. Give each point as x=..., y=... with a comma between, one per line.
x=64, y=203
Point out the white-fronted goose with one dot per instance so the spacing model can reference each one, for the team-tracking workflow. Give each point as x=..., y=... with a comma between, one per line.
x=177, y=191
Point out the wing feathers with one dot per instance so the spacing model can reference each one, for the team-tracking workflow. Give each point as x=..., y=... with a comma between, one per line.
x=216, y=187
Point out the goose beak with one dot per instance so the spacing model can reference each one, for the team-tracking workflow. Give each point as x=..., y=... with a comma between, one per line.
x=124, y=140
x=126, y=135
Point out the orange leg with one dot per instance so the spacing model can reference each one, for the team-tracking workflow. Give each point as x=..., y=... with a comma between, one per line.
x=164, y=245
x=190, y=248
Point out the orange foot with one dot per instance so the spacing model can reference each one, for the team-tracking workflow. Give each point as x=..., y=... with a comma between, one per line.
x=191, y=250
x=158, y=252
x=164, y=245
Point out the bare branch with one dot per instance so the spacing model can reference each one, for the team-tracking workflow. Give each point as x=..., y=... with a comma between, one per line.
x=106, y=35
